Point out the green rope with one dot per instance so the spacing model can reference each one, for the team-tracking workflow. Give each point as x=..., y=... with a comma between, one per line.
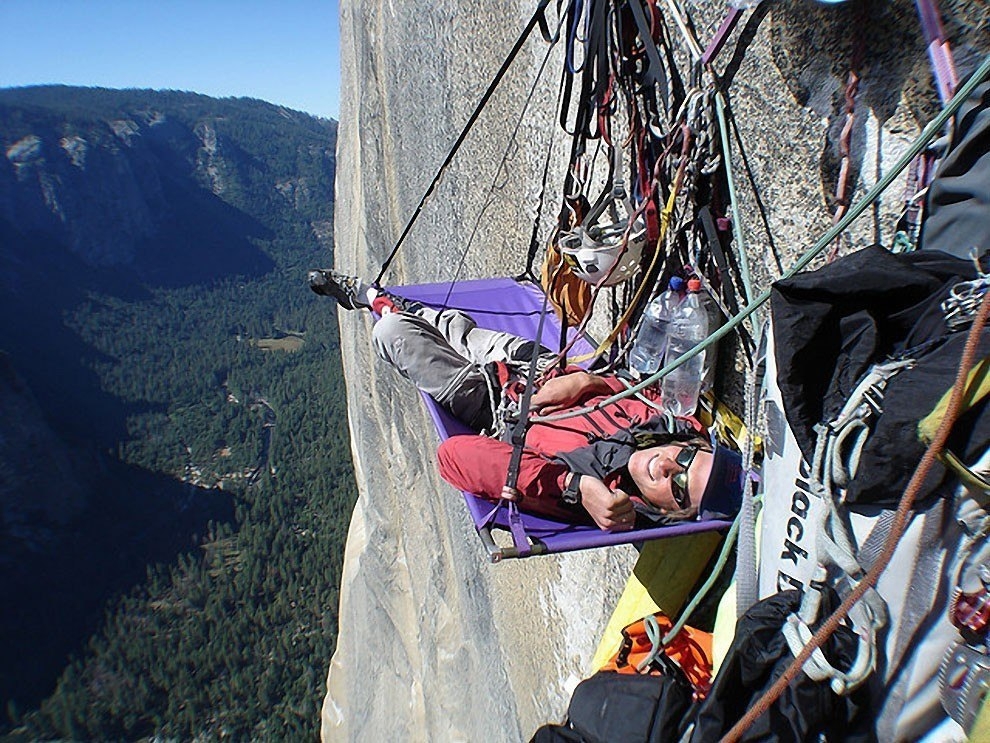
x=723, y=557
x=927, y=134
x=730, y=181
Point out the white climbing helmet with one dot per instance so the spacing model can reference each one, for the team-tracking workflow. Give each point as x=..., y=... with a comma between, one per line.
x=591, y=253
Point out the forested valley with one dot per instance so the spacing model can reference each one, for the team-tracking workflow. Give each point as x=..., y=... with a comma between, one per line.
x=196, y=386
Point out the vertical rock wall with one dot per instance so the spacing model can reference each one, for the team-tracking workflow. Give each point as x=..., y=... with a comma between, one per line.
x=435, y=643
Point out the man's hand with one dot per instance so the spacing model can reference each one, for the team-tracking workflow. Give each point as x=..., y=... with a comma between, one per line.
x=511, y=494
x=562, y=392
x=611, y=509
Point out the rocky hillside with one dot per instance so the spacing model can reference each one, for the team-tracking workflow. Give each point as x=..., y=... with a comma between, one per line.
x=131, y=178
x=476, y=651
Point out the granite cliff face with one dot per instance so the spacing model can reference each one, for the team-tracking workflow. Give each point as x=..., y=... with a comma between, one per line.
x=435, y=644
x=52, y=184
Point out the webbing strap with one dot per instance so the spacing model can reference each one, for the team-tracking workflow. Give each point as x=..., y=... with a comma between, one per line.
x=721, y=36
x=946, y=82
x=924, y=579
x=655, y=71
x=537, y=19
x=872, y=546
x=519, y=537
x=594, y=70
x=747, y=566
x=707, y=221
x=939, y=51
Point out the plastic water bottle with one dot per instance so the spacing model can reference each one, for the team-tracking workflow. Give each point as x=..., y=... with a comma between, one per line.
x=651, y=340
x=688, y=327
x=715, y=319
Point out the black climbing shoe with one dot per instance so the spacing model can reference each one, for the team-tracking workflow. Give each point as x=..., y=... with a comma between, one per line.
x=349, y=291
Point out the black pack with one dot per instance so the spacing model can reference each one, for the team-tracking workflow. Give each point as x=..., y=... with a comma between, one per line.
x=831, y=325
x=615, y=707
x=956, y=210
x=807, y=710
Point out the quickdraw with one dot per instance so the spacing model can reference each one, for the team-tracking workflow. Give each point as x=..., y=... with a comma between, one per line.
x=963, y=302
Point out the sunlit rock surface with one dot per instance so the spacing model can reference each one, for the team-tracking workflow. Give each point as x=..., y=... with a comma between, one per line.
x=435, y=643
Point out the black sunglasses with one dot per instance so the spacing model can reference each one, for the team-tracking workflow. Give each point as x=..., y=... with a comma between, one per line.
x=679, y=482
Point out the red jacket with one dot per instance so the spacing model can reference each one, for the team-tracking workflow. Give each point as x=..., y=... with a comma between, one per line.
x=478, y=464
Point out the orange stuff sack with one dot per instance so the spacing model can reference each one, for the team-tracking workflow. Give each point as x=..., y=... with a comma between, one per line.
x=569, y=295
x=690, y=650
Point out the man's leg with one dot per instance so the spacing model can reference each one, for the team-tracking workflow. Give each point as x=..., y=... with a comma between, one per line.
x=442, y=352
x=421, y=353
x=480, y=345
x=349, y=291
x=473, y=343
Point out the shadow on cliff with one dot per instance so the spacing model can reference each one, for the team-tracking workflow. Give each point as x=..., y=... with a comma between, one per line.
x=42, y=284
x=58, y=580
x=56, y=594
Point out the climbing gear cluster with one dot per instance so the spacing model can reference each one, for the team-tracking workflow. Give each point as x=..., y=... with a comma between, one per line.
x=649, y=194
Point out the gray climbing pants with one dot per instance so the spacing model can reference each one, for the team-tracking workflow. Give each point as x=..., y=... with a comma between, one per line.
x=444, y=354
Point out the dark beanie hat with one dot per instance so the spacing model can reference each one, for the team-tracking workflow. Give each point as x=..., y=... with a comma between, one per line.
x=723, y=493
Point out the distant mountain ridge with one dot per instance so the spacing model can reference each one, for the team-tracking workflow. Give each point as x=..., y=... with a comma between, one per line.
x=132, y=178
x=124, y=190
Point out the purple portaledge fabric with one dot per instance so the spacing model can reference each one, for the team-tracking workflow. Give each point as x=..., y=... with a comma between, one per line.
x=505, y=304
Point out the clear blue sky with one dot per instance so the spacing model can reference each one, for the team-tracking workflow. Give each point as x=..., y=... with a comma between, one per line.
x=282, y=51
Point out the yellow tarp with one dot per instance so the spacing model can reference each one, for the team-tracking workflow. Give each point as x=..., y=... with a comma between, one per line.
x=981, y=727
x=977, y=387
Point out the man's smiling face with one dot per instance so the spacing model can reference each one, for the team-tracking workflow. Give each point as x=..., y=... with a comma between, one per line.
x=653, y=471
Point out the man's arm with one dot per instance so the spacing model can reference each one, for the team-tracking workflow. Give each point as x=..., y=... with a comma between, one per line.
x=610, y=509
x=569, y=389
x=478, y=464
